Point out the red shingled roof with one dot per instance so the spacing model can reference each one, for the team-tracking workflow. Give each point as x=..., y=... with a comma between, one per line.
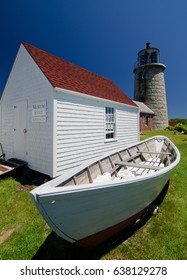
x=66, y=75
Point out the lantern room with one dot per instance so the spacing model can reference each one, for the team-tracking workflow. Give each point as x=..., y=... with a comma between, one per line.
x=148, y=55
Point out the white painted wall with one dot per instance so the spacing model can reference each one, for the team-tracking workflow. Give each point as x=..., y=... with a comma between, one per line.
x=80, y=133
x=27, y=85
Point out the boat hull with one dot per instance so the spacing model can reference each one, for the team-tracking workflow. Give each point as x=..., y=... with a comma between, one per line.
x=89, y=217
x=100, y=237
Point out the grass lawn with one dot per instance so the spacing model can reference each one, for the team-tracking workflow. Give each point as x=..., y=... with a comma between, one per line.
x=25, y=235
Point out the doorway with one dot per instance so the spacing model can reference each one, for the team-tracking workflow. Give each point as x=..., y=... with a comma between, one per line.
x=20, y=129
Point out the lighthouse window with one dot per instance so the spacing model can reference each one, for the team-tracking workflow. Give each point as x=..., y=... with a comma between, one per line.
x=154, y=57
x=110, y=122
x=143, y=59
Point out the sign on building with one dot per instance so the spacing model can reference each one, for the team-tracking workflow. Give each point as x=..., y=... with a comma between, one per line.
x=39, y=111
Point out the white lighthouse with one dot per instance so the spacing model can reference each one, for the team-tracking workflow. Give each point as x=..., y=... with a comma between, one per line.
x=149, y=85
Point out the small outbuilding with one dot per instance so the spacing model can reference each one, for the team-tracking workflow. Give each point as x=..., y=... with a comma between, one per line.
x=55, y=115
x=146, y=116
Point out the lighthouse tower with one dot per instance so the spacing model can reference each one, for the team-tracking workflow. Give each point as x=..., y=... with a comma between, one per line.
x=149, y=85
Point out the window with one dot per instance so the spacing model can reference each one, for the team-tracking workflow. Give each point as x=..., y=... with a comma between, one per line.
x=146, y=119
x=154, y=58
x=143, y=59
x=110, y=122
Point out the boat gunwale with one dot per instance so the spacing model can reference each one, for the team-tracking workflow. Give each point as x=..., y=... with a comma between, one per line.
x=52, y=187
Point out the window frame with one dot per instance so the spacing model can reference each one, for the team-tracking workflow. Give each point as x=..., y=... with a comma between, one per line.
x=110, y=123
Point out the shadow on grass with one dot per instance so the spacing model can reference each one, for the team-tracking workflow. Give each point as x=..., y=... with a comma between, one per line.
x=55, y=248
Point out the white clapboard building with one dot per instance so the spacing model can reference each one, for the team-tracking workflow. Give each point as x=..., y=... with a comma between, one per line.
x=55, y=115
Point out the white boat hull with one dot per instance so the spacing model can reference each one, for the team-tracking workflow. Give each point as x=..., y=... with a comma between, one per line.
x=89, y=214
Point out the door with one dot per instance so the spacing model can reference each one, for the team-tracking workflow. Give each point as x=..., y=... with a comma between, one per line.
x=20, y=129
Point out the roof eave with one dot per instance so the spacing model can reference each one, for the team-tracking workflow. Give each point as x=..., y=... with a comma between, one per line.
x=147, y=112
x=87, y=96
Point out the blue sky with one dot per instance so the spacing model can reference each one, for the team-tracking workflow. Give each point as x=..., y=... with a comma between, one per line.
x=103, y=36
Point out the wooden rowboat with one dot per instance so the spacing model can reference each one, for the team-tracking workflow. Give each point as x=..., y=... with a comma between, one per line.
x=98, y=199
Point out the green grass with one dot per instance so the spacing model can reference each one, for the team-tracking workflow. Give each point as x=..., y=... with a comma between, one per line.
x=19, y=215
x=24, y=234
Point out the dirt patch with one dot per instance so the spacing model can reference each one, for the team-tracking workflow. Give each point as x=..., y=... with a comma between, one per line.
x=6, y=235
x=23, y=188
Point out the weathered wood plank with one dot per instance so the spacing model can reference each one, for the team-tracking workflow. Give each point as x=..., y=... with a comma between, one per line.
x=74, y=180
x=132, y=164
x=133, y=157
x=155, y=153
x=120, y=156
x=89, y=175
x=114, y=169
x=100, y=167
